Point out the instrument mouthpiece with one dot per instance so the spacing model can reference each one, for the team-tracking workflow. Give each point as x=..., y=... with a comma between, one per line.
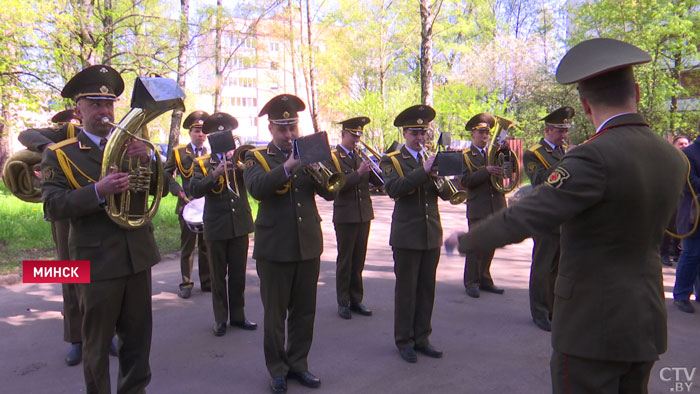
x=105, y=120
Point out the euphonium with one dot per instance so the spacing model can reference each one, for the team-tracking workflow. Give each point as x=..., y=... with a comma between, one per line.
x=499, y=154
x=131, y=209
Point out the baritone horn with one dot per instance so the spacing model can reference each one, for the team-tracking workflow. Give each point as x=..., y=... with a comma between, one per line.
x=499, y=154
x=151, y=98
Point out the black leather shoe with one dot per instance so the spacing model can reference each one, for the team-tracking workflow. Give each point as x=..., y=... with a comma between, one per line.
x=306, y=378
x=344, y=312
x=245, y=324
x=666, y=260
x=684, y=305
x=429, y=351
x=408, y=354
x=543, y=323
x=185, y=293
x=114, y=347
x=361, y=309
x=278, y=384
x=219, y=329
x=75, y=354
x=473, y=292
x=492, y=289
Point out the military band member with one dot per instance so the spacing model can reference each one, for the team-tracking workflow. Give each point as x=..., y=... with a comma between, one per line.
x=119, y=294
x=181, y=160
x=288, y=244
x=539, y=162
x=613, y=203
x=352, y=213
x=416, y=233
x=67, y=126
x=227, y=223
x=483, y=200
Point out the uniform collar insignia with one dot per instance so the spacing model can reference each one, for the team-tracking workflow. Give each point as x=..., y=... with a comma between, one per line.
x=83, y=147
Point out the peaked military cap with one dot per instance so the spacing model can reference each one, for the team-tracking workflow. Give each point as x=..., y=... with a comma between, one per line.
x=64, y=116
x=354, y=125
x=283, y=109
x=560, y=117
x=195, y=119
x=219, y=121
x=482, y=121
x=598, y=56
x=415, y=117
x=95, y=82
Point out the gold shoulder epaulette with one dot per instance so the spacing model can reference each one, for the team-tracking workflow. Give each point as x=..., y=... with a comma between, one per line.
x=334, y=150
x=258, y=149
x=535, y=147
x=181, y=146
x=394, y=153
x=63, y=143
x=204, y=157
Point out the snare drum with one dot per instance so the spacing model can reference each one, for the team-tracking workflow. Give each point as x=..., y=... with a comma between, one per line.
x=193, y=214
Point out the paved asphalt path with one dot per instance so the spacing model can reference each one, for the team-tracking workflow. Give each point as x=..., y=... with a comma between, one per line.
x=490, y=343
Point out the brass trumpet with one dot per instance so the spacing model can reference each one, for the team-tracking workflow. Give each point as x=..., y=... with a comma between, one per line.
x=376, y=176
x=333, y=181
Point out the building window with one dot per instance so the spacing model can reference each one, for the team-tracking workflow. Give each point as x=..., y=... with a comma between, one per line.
x=274, y=46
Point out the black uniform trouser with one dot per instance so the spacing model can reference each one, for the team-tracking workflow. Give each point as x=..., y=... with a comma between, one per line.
x=228, y=257
x=543, y=274
x=288, y=292
x=477, y=265
x=577, y=375
x=72, y=317
x=124, y=303
x=190, y=240
x=352, y=249
x=414, y=295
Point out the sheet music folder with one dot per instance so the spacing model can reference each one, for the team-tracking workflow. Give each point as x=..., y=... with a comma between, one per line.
x=312, y=148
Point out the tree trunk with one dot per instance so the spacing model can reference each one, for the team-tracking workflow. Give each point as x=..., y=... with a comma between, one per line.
x=4, y=132
x=217, y=57
x=87, y=33
x=426, y=57
x=108, y=28
x=291, y=47
x=176, y=117
x=312, y=98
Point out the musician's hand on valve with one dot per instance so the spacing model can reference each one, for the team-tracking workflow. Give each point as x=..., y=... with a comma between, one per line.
x=115, y=182
x=495, y=170
x=363, y=168
x=136, y=148
x=428, y=165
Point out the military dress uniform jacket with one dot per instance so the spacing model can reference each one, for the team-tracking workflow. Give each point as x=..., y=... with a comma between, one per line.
x=614, y=196
x=182, y=160
x=288, y=226
x=353, y=203
x=415, y=222
x=35, y=139
x=225, y=215
x=540, y=160
x=482, y=198
x=113, y=252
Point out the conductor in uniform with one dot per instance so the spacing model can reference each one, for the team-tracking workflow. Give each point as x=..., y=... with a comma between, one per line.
x=227, y=223
x=416, y=233
x=181, y=160
x=613, y=197
x=119, y=292
x=352, y=215
x=288, y=244
x=539, y=162
x=483, y=200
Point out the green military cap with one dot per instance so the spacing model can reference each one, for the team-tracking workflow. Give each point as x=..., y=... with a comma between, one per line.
x=282, y=109
x=598, y=56
x=354, y=125
x=99, y=82
x=219, y=121
x=560, y=117
x=482, y=121
x=415, y=117
x=195, y=119
x=65, y=116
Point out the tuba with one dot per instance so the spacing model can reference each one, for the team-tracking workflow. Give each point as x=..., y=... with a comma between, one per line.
x=20, y=175
x=499, y=154
x=134, y=207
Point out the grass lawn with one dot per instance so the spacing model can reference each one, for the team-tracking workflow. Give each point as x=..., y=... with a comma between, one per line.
x=25, y=235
